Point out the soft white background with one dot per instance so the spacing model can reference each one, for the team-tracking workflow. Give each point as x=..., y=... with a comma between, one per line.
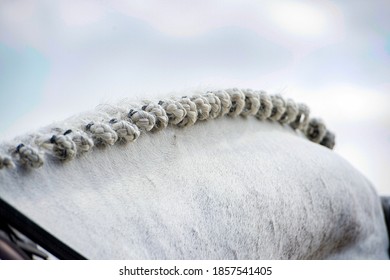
x=58, y=58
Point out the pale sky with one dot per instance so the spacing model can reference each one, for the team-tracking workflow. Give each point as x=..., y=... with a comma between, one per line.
x=58, y=58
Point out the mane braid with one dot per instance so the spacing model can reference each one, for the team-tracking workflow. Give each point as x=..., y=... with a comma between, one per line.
x=122, y=126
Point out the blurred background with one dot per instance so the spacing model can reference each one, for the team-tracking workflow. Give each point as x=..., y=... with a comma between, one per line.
x=58, y=58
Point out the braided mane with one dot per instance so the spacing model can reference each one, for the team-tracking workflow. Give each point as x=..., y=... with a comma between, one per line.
x=123, y=124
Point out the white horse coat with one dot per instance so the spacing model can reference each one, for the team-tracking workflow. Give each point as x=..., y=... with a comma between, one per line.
x=228, y=188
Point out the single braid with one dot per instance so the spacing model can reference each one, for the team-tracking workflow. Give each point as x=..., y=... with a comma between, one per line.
x=226, y=102
x=191, y=115
x=302, y=118
x=328, y=140
x=265, y=109
x=174, y=110
x=278, y=107
x=144, y=120
x=252, y=103
x=63, y=147
x=102, y=134
x=215, y=104
x=316, y=130
x=291, y=112
x=203, y=106
x=159, y=113
x=126, y=131
x=238, y=101
x=27, y=156
x=83, y=142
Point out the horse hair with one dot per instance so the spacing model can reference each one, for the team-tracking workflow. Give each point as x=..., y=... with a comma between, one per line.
x=124, y=125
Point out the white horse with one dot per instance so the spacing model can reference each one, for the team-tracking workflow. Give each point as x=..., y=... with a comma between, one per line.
x=232, y=187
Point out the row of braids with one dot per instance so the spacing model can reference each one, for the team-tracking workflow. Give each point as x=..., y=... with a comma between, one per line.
x=182, y=112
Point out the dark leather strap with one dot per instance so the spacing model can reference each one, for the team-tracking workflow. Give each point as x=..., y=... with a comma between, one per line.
x=386, y=210
x=12, y=217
